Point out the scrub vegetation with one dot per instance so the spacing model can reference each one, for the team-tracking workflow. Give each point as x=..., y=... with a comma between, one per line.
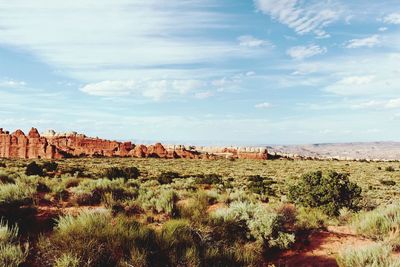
x=154, y=212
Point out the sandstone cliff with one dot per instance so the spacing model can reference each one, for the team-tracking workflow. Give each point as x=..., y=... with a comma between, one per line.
x=52, y=145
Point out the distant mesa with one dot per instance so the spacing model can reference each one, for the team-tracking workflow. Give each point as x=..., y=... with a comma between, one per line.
x=53, y=145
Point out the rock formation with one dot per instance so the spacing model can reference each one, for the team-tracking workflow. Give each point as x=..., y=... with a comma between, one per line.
x=260, y=153
x=52, y=145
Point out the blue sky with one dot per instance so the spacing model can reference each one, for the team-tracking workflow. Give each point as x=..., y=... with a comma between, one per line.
x=203, y=71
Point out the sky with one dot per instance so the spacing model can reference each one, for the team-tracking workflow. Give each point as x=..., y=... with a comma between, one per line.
x=229, y=72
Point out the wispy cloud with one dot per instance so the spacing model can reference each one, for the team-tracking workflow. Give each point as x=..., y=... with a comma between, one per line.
x=302, y=52
x=263, y=105
x=378, y=104
x=393, y=18
x=371, y=41
x=300, y=16
x=153, y=89
x=10, y=84
x=98, y=41
x=251, y=41
x=204, y=95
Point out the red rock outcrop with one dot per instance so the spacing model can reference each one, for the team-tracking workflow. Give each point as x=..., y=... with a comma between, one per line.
x=56, y=146
x=18, y=145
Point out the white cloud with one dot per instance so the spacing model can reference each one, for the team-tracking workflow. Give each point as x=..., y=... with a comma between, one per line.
x=393, y=103
x=300, y=16
x=356, y=80
x=231, y=83
x=393, y=18
x=11, y=84
x=119, y=40
x=378, y=104
x=204, y=95
x=153, y=89
x=352, y=85
x=367, y=105
x=302, y=52
x=371, y=41
x=252, y=42
x=263, y=105
x=383, y=29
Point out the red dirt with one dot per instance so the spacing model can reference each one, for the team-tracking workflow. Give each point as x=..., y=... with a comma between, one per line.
x=322, y=248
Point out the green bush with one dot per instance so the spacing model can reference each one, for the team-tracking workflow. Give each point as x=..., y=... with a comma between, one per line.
x=310, y=219
x=50, y=166
x=182, y=242
x=388, y=182
x=33, y=169
x=15, y=195
x=390, y=169
x=167, y=177
x=380, y=224
x=3, y=165
x=209, y=179
x=260, y=185
x=368, y=256
x=90, y=192
x=99, y=240
x=256, y=223
x=159, y=201
x=330, y=192
x=196, y=207
x=67, y=260
x=126, y=172
x=5, y=178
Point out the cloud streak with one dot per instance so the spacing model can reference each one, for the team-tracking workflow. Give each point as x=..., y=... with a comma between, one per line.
x=302, y=17
x=370, y=42
x=302, y=52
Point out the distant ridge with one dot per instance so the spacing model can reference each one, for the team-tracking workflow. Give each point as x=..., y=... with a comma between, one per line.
x=374, y=151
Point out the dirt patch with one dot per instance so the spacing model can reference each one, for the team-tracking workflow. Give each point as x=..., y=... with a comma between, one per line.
x=322, y=248
x=215, y=207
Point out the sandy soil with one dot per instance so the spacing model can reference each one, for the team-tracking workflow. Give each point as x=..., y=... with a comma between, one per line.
x=321, y=249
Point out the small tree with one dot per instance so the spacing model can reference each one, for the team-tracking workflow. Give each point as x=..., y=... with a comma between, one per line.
x=330, y=192
x=50, y=166
x=33, y=169
x=126, y=173
x=260, y=185
x=167, y=177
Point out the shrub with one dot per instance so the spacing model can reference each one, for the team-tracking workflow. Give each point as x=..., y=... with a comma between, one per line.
x=99, y=240
x=260, y=185
x=88, y=198
x=127, y=173
x=330, y=192
x=5, y=178
x=163, y=200
x=74, y=171
x=372, y=255
x=3, y=165
x=209, y=179
x=33, y=169
x=258, y=223
x=196, y=208
x=15, y=195
x=50, y=166
x=11, y=253
x=67, y=260
x=381, y=224
x=167, y=177
x=90, y=192
x=390, y=169
x=310, y=219
x=182, y=242
x=388, y=182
